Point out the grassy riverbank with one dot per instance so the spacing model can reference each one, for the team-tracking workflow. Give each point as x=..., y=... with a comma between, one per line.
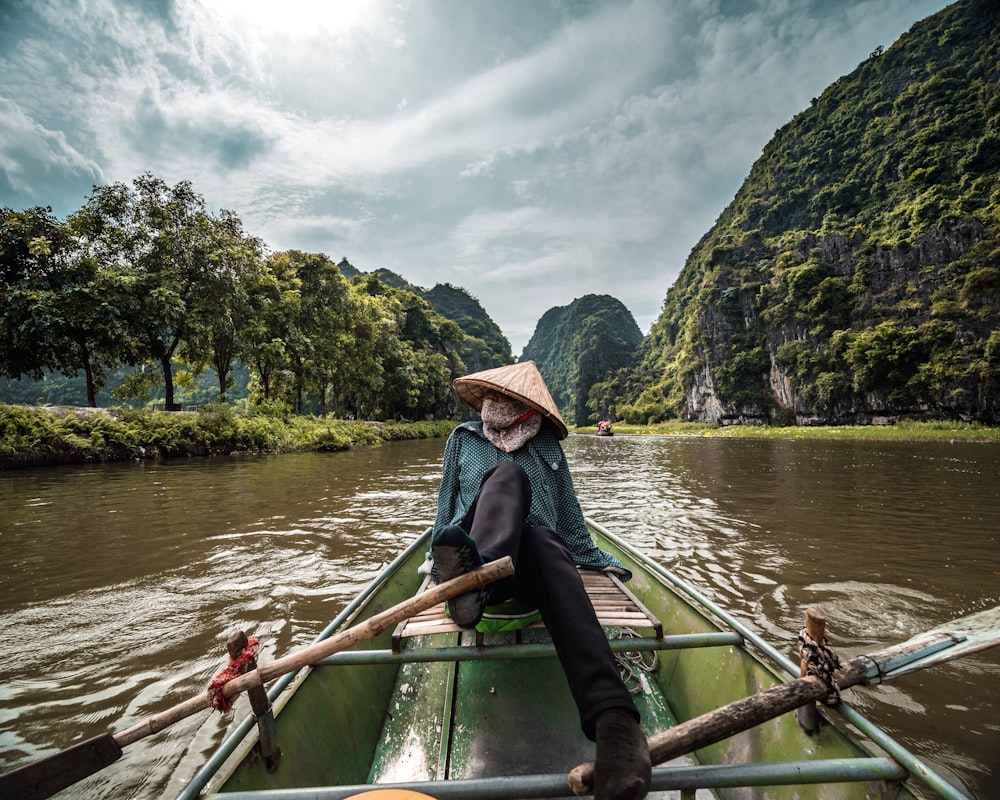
x=901, y=431
x=31, y=437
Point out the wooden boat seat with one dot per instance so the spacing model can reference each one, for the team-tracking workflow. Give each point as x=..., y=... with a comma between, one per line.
x=615, y=605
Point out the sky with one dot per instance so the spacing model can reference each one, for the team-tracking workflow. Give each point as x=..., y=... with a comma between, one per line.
x=528, y=151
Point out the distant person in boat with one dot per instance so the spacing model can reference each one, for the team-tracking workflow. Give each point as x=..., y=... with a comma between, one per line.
x=506, y=490
x=604, y=428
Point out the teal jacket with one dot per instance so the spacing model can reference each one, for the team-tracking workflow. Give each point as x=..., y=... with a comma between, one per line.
x=468, y=455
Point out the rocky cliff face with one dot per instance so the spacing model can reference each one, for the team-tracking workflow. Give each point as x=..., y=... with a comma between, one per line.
x=920, y=278
x=855, y=276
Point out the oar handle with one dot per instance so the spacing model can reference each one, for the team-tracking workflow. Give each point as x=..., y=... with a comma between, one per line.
x=43, y=778
x=371, y=627
x=740, y=715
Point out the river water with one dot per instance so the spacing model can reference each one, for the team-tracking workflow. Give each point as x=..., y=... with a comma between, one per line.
x=122, y=582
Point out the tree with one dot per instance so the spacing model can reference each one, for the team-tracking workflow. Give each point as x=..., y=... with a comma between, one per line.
x=273, y=298
x=419, y=357
x=169, y=251
x=375, y=344
x=309, y=323
x=32, y=244
x=232, y=288
x=61, y=304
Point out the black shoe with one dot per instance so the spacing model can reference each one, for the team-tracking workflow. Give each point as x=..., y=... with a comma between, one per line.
x=455, y=553
x=622, y=768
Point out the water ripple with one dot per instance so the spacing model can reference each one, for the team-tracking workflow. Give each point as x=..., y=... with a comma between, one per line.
x=125, y=581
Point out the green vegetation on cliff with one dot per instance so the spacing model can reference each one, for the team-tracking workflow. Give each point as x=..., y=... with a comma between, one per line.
x=856, y=274
x=484, y=344
x=580, y=346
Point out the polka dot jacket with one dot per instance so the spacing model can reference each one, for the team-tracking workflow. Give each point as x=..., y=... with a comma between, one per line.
x=468, y=455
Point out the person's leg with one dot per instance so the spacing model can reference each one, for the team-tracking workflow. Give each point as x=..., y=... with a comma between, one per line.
x=548, y=577
x=491, y=529
x=495, y=521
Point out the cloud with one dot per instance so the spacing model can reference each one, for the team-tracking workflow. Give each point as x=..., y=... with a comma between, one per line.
x=227, y=136
x=36, y=163
x=531, y=152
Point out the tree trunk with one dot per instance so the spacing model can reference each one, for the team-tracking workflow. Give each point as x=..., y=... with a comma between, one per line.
x=168, y=384
x=91, y=393
x=222, y=385
x=300, y=380
x=88, y=372
x=265, y=378
x=223, y=366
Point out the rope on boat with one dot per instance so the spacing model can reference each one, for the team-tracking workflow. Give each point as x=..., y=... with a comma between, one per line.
x=632, y=665
x=236, y=667
x=821, y=661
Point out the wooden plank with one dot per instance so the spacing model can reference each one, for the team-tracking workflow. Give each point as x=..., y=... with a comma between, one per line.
x=614, y=605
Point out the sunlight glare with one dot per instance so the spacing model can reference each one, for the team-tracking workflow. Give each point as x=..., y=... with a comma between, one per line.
x=296, y=17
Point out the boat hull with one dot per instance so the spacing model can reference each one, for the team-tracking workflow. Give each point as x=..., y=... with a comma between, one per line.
x=499, y=721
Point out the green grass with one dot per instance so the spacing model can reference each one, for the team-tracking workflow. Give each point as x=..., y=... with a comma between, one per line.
x=901, y=431
x=32, y=436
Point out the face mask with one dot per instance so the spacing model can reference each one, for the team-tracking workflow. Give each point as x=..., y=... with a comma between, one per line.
x=509, y=423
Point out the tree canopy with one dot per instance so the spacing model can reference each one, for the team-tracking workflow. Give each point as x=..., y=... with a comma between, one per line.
x=145, y=284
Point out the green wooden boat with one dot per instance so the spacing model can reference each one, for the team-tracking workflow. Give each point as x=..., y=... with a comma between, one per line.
x=466, y=715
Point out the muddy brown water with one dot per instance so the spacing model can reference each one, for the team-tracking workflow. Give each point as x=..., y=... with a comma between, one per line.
x=122, y=582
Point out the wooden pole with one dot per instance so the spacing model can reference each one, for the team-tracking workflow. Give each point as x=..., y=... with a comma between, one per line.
x=815, y=626
x=267, y=739
x=371, y=627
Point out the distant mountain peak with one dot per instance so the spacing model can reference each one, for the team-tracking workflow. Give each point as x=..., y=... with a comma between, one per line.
x=580, y=345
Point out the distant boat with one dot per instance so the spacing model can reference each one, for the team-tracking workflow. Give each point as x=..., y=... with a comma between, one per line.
x=604, y=428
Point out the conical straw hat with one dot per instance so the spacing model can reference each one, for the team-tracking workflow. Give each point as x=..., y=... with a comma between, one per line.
x=522, y=381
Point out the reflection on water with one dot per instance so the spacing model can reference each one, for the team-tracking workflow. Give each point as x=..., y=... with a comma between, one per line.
x=123, y=582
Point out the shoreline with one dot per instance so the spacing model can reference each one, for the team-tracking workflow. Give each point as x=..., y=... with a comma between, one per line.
x=40, y=436
x=931, y=431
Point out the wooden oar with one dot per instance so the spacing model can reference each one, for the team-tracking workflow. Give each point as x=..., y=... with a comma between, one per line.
x=959, y=637
x=48, y=775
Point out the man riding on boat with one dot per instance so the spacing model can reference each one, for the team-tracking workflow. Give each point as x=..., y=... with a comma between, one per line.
x=506, y=490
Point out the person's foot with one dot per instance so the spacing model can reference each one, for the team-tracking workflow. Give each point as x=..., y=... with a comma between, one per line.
x=455, y=553
x=622, y=768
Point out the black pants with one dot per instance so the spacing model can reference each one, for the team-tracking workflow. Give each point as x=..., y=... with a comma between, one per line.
x=545, y=576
